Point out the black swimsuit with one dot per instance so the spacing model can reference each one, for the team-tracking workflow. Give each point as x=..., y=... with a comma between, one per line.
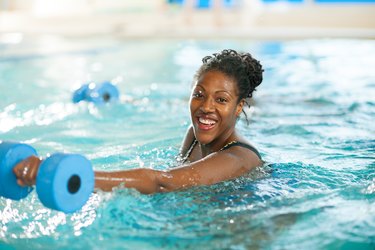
x=229, y=145
x=244, y=145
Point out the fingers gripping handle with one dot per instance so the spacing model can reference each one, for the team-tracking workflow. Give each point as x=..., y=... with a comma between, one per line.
x=64, y=181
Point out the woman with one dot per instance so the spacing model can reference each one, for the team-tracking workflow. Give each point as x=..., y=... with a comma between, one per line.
x=212, y=150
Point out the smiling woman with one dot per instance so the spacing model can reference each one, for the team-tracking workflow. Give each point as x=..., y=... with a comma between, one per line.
x=212, y=151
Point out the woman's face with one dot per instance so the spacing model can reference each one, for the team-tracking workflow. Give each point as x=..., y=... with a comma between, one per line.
x=214, y=107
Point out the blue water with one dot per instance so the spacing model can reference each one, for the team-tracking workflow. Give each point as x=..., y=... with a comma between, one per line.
x=312, y=121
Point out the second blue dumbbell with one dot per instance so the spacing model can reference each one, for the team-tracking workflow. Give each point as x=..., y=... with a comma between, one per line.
x=97, y=93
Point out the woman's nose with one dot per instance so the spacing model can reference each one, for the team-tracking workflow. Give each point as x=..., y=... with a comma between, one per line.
x=208, y=105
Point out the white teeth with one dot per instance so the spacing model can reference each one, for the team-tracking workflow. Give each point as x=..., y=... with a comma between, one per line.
x=206, y=121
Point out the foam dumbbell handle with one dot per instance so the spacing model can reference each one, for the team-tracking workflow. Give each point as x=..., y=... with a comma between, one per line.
x=81, y=93
x=65, y=182
x=11, y=153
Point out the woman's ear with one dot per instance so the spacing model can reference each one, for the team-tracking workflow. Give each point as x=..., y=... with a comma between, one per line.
x=240, y=107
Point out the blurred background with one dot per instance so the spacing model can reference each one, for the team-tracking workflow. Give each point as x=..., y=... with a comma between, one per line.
x=260, y=19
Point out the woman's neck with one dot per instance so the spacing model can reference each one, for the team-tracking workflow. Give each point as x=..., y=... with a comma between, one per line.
x=217, y=145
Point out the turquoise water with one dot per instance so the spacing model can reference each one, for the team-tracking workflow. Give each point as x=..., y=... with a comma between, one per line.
x=312, y=121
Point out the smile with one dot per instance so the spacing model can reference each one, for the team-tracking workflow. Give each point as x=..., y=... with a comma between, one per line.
x=206, y=123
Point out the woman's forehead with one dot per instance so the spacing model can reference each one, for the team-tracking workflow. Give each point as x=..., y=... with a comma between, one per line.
x=216, y=80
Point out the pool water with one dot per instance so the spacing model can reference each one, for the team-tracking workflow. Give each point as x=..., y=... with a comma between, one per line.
x=312, y=121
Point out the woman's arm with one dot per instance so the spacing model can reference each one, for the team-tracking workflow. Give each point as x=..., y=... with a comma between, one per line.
x=216, y=167
x=142, y=179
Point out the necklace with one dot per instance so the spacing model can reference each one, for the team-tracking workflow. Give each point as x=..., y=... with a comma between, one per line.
x=228, y=145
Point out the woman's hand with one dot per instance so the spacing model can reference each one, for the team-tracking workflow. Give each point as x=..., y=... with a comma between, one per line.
x=26, y=171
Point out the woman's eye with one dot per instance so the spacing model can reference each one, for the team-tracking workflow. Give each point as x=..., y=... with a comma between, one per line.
x=222, y=100
x=197, y=94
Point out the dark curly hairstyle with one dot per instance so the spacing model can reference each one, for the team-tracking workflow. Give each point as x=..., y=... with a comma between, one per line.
x=242, y=67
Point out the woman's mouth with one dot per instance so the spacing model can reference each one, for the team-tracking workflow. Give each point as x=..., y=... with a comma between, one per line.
x=205, y=123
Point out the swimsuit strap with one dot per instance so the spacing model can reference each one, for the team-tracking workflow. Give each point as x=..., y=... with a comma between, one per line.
x=241, y=144
x=188, y=153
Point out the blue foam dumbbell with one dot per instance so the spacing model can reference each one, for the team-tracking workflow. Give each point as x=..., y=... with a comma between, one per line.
x=64, y=182
x=97, y=93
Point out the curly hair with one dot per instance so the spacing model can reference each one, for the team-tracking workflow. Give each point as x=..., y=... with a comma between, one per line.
x=242, y=67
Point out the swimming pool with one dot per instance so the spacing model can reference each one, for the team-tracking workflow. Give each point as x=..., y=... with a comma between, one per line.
x=312, y=119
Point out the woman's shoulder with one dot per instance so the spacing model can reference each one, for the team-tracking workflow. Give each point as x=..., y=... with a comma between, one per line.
x=242, y=145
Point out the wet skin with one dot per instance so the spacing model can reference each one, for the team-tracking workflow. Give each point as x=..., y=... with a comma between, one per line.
x=214, y=107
